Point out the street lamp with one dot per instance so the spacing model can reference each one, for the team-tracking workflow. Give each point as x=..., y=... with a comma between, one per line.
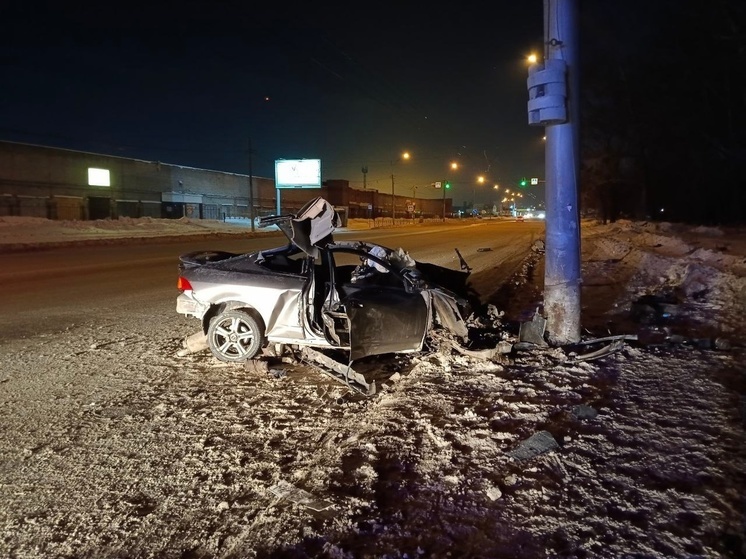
x=480, y=180
x=447, y=185
x=404, y=156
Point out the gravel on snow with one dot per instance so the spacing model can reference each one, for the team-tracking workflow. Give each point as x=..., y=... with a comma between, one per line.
x=114, y=446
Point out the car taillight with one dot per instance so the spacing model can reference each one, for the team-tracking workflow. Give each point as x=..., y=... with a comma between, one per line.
x=182, y=284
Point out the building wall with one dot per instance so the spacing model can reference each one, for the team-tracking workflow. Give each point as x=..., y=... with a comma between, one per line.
x=51, y=182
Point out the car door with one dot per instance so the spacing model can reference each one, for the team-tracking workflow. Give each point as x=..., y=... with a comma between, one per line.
x=385, y=313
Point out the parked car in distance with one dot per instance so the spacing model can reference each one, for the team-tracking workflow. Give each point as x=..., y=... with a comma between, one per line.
x=519, y=218
x=354, y=296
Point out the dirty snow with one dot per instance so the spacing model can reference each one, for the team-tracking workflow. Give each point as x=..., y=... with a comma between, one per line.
x=20, y=231
x=114, y=446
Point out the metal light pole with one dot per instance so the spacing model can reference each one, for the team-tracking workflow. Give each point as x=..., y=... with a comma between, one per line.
x=454, y=167
x=251, y=189
x=562, y=275
x=404, y=156
x=444, y=199
x=480, y=180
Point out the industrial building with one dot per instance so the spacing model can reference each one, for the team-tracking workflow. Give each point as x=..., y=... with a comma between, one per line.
x=56, y=183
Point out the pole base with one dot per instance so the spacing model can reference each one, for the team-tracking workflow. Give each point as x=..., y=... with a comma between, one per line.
x=562, y=309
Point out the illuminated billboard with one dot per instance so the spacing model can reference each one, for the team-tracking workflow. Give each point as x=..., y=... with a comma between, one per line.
x=98, y=177
x=298, y=173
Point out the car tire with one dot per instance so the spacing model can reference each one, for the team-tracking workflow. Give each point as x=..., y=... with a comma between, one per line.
x=234, y=336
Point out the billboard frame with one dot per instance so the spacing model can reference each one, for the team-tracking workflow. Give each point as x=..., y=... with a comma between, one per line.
x=297, y=173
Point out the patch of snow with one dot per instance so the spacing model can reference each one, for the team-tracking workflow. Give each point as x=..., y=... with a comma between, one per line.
x=114, y=444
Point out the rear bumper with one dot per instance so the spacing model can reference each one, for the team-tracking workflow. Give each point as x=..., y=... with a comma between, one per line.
x=189, y=306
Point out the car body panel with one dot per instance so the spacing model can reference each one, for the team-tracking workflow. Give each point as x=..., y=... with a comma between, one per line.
x=385, y=320
x=448, y=314
x=243, y=279
x=313, y=224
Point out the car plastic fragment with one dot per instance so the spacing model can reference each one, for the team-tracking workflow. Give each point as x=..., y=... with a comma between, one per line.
x=310, y=228
x=464, y=265
x=536, y=444
x=617, y=344
x=583, y=411
x=193, y=344
x=338, y=371
x=285, y=490
x=491, y=354
x=447, y=312
x=722, y=344
x=533, y=331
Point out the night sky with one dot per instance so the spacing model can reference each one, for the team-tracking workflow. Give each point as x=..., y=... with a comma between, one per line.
x=662, y=93
x=193, y=83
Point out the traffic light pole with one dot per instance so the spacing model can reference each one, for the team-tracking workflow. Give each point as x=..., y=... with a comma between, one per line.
x=444, y=199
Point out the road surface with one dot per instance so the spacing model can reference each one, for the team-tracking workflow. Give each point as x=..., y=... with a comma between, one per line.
x=48, y=291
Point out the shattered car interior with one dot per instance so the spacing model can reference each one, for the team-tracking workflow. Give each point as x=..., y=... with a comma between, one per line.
x=316, y=294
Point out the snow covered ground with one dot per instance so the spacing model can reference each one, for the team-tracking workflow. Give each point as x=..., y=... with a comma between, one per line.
x=114, y=445
x=18, y=232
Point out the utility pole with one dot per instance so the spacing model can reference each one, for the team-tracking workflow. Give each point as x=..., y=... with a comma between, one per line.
x=393, y=199
x=562, y=275
x=251, y=189
x=553, y=86
x=404, y=156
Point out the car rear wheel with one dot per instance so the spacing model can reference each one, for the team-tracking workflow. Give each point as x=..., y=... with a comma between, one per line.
x=234, y=336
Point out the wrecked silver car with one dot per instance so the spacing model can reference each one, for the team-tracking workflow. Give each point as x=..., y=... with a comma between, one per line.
x=354, y=296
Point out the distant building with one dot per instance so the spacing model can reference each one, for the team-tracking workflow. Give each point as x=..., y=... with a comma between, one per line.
x=59, y=183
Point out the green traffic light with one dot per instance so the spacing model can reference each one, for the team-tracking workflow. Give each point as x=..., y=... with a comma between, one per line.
x=524, y=182
x=448, y=185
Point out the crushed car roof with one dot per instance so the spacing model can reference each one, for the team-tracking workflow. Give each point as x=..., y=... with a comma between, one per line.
x=310, y=228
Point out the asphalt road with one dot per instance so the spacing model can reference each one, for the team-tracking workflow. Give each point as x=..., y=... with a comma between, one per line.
x=45, y=291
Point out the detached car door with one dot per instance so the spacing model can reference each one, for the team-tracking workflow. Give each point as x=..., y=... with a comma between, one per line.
x=385, y=313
